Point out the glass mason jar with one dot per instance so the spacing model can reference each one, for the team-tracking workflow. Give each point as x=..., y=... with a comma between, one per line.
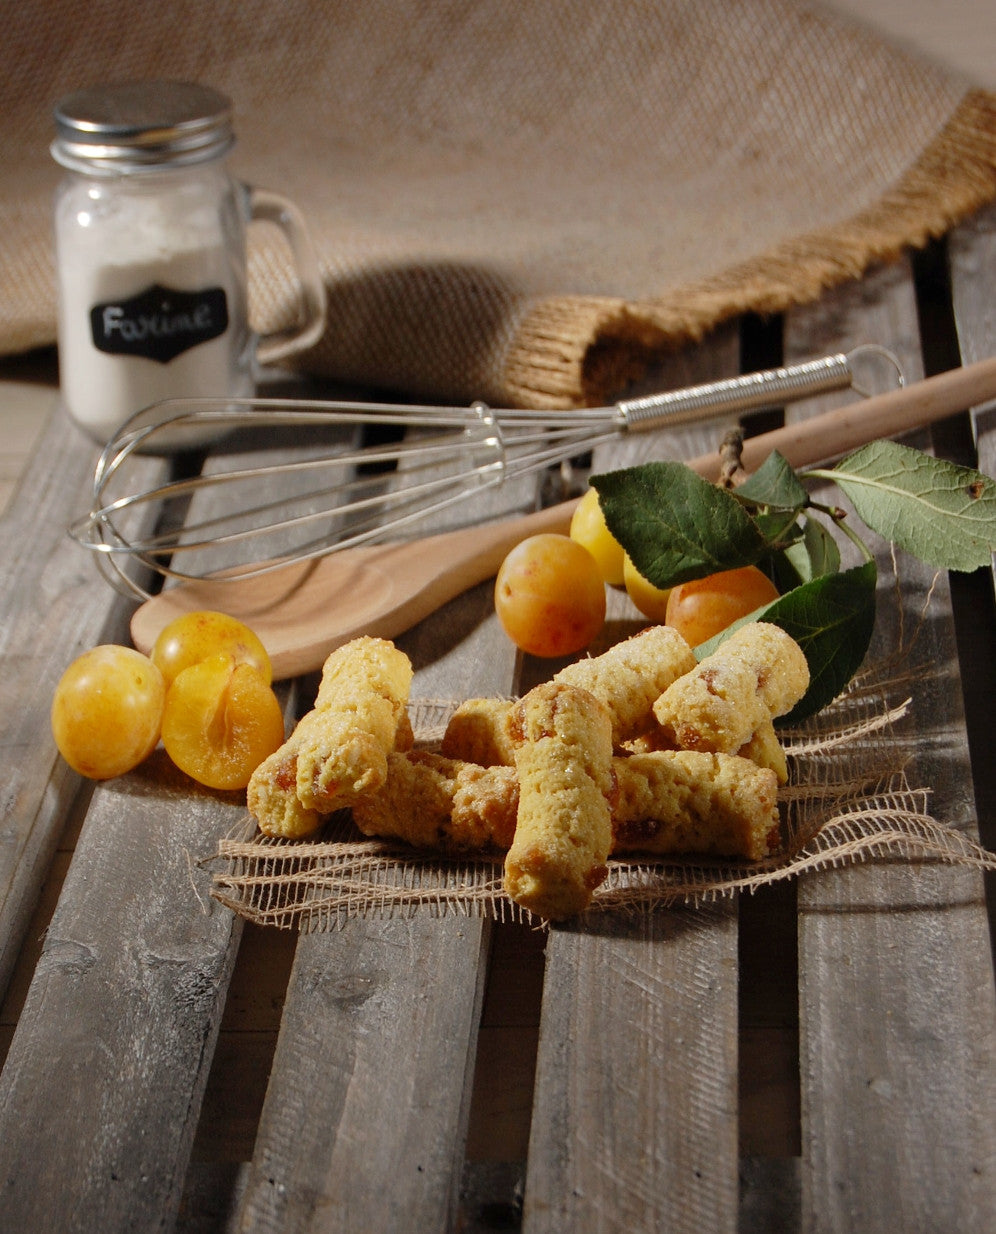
x=150, y=235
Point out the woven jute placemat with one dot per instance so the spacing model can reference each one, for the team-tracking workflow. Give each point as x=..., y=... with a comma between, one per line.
x=849, y=799
x=522, y=202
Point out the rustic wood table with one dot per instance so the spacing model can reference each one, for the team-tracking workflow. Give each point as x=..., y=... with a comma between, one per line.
x=818, y=1056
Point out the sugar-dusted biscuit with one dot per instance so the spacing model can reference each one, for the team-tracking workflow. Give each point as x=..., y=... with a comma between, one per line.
x=631, y=676
x=431, y=801
x=365, y=665
x=343, y=744
x=477, y=732
x=666, y=802
x=687, y=801
x=764, y=749
x=563, y=833
x=627, y=679
x=338, y=749
x=272, y=797
x=663, y=803
x=756, y=674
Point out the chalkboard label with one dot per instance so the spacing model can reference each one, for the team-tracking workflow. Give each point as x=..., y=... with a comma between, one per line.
x=159, y=323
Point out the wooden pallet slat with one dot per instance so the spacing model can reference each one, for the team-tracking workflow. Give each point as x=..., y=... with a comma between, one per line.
x=128, y=998
x=53, y=605
x=635, y=1125
x=896, y=1058
x=634, y=1119
x=364, y=1119
x=380, y=1088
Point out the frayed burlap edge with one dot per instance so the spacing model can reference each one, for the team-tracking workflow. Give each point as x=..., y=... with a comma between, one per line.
x=584, y=350
x=848, y=799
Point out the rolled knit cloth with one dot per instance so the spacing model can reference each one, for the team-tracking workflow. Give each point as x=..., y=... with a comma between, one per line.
x=527, y=202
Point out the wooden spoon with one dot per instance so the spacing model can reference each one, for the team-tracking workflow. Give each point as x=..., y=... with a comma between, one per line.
x=305, y=610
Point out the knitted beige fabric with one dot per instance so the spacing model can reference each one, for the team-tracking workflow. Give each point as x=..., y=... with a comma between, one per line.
x=521, y=202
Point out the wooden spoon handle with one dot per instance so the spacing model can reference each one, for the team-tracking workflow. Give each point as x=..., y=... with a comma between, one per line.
x=834, y=433
x=837, y=432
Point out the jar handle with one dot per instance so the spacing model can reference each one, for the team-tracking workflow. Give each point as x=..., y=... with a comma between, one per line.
x=267, y=206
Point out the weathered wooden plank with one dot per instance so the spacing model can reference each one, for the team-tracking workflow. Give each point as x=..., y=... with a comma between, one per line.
x=972, y=251
x=27, y=403
x=376, y=1141
x=53, y=605
x=895, y=975
x=501, y=1103
x=101, y=1091
x=128, y=995
x=972, y=257
x=363, y=1124
x=635, y=1108
x=635, y=1122
x=240, y=1066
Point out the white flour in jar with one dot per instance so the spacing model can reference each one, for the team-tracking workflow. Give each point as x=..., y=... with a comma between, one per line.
x=102, y=389
x=151, y=299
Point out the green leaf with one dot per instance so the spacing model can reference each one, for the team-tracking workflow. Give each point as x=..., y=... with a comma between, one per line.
x=831, y=618
x=776, y=496
x=938, y=511
x=816, y=553
x=779, y=527
x=774, y=484
x=674, y=525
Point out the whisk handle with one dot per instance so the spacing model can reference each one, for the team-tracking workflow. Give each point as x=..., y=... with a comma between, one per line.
x=751, y=392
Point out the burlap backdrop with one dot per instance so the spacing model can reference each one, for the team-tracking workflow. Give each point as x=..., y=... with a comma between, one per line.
x=520, y=202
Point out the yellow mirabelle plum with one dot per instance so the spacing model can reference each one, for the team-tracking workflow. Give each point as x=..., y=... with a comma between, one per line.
x=704, y=607
x=650, y=600
x=588, y=528
x=107, y=710
x=550, y=595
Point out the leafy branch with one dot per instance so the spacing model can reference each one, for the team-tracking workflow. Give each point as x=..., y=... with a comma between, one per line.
x=676, y=526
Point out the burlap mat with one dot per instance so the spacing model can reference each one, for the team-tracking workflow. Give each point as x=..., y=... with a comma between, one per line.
x=848, y=799
x=522, y=202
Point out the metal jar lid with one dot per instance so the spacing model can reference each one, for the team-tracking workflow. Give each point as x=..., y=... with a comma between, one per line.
x=136, y=126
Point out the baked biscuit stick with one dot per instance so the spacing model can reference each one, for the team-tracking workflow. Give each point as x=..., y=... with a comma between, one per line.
x=342, y=745
x=758, y=673
x=272, y=797
x=669, y=802
x=631, y=676
x=686, y=801
x=627, y=679
x=764, y=749
x=431, y=801
x=477, y=732
x=563, y=831
x=272, y=792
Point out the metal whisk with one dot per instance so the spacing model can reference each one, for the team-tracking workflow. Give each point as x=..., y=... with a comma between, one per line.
x=331, y=493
